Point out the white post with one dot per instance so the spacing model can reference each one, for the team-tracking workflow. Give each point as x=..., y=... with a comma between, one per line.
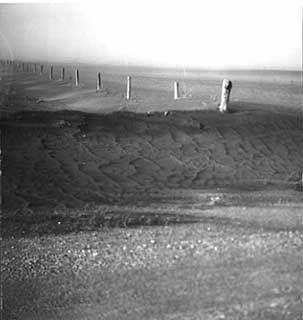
x=226, y=89
x=99, y=84
x=51, y=71
x=35, y=68
x=62, y=74
x=176, y=90
x=128, y=87
x=77, y=77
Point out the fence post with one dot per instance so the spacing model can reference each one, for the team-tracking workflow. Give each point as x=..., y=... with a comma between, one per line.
x=77, y=77
x=99, y=84
x=35, y=68
x=176, y=90
x=51, y=73
x=41, y=69
x=226, y=89
x=62, y=74
x=128, y=87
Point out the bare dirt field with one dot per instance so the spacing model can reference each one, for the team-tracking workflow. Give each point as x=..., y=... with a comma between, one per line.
x=112, y=210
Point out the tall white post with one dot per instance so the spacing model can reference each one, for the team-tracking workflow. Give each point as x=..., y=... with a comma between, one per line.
x=62, y=74
x=128, y=87
x=176, y=90
x=35, y=68
x=226, y=89
x=99, y=84
x=76, y=77
x=51, y=73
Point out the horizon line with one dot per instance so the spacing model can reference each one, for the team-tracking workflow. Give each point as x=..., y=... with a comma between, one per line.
x=158, y=66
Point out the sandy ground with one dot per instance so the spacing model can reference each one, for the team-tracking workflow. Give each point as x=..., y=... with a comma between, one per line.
x=113, y=213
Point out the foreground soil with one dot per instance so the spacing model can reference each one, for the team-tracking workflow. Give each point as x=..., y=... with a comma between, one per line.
x=217, y=263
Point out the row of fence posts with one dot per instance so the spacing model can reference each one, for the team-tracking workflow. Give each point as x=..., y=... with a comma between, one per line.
x=225, y=93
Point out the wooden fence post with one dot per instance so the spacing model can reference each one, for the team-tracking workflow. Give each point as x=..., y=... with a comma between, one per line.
x=62, y=74
x=176, y=90
x=77, y=77
x=225, y=94
x=51, y=73
x=128, y=87
x=99, y=84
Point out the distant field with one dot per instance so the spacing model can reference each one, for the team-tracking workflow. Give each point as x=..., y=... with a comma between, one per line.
x=153, y=89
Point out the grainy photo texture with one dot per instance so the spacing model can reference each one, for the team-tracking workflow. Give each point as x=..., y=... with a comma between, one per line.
x=151, y=160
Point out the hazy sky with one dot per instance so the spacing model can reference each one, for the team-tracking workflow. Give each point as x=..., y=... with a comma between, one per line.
x=209, y=33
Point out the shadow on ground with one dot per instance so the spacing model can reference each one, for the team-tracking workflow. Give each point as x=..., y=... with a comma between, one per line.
x=25, y=224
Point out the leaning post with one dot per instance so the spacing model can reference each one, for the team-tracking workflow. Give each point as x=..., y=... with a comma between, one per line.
x=225, y=94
